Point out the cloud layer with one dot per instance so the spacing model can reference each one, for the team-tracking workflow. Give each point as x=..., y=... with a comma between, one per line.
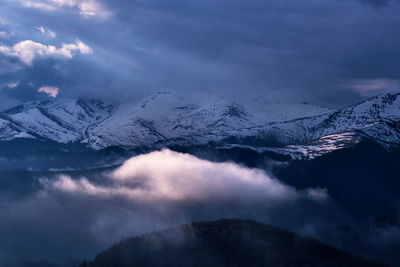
x=86, y=8
x=170, y=176
x=225, y=47
x=49, y=90
x=27, y=51
x=75, y=217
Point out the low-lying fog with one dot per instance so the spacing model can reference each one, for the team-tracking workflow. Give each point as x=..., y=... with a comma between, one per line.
x=61, y=217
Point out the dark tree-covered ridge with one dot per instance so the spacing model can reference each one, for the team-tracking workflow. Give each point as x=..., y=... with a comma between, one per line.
x=227, y=242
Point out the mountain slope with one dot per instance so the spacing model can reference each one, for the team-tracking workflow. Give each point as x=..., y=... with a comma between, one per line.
x=60, y=120
x=164, y=119
x=224, y=243
x=377, y=118
x=156, y=118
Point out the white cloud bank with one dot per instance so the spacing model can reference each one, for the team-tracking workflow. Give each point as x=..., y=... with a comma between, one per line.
x=49, y=90
x=73, y=217
x=171, y=176
x=27, y=51
x=86, y=8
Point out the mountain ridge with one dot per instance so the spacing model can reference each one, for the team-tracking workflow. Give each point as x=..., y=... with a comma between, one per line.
x=165, y=119
x=226, y=242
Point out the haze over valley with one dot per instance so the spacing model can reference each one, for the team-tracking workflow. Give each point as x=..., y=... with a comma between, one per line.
x=182, y=133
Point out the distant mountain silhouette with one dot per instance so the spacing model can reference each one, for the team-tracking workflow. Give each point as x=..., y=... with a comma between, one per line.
x=227, y=242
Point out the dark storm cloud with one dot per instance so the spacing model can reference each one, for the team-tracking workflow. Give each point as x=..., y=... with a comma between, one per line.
x=307, y=50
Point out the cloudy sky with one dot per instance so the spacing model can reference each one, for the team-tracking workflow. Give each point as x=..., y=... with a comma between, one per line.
x=328, y=52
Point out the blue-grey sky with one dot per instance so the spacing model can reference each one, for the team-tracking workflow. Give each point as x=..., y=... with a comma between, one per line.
x=328, y=52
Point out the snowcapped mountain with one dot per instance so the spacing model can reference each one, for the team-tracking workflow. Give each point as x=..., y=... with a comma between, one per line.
x=156, y=118
x=166, y=117
x=299, y=130
x=60, y=120
x=377, y=118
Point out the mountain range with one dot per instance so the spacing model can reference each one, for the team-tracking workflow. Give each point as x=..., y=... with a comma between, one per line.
x=165, y=119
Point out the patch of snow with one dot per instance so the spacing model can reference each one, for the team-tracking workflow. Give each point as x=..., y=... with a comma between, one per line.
x=24, y=135
x=301, y=130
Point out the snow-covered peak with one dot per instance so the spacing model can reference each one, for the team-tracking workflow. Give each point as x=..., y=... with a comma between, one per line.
x=266, y=110
x=62, y=120
x=377, y=118
x=168, y=117
x=145, y=121
x=385, y=105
